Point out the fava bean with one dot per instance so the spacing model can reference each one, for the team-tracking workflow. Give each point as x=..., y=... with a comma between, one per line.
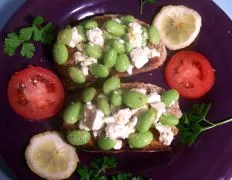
x=90, y=24
x=145, y=120
x=105, y=143
x=153, y=35
x=128, y=19
x=76, y=75
x=109, y=58
x=116, y=98
x=103, y=105
x=60, y=53
x=72, y=113
x=81, y=31
x=128, y=47
x=94, y=51
x=108, y=36
x=122, y=63
x=115, y=28
x=133, y=99
x=140, y=140
x=78, y=137
x=169, y=97
x=169, y=120
x=64, y=36
x=111, y=84
x=99, y=70
x=118, y=46
x=89, y=94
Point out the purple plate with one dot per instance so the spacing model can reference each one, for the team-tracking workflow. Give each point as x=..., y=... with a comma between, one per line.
x=209, y=158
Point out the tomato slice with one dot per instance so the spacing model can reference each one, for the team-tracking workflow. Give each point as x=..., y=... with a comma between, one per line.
x=190, y=73
x=35, y=93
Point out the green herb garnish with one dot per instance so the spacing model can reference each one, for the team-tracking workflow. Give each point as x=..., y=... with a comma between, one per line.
x=143, y=2
x=97, y=170
x=193, y=123
x=36, y=32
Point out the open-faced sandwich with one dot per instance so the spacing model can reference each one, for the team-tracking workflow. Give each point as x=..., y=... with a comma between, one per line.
x=122, y=117
x=108, y=44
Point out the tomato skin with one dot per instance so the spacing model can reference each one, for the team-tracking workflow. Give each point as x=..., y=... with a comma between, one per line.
x=190, y=73
x=35, y=93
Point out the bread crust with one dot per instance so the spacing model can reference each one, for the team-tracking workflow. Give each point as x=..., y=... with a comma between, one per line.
x=153, y=63
x=155, y=146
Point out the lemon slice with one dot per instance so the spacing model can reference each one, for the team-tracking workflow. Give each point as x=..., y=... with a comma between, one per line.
x=50, y=157
x=178, y=26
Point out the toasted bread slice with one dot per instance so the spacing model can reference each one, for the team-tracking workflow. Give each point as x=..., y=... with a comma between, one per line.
x=155, y=146
x=153, y=63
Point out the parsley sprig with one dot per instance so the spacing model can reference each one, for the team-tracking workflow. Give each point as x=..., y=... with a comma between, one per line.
x=193, y=123
x=99, y=166
x=38, y=31
x=143, y=2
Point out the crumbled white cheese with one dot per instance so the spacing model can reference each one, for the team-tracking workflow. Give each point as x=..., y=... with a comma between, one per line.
x=166, y=134
x=118, y=145
x=139, y=57
x=85, y=70
x=76, y=38
x=97, y=133
x=95, y=36
x=89, y=103
x=80, y=47
x=131, y=125
x=82, y=125
x=92, y=119
x=153, y=97
x=115, y=131
x=153, y=53
x=160, y=108
x=117, y=20
x=140, y=90
x=130, y=69
x=109, y=120
x=135, y=34
x=123, y=116
x=145, y=36
x=97, y=120
x=79, y=57
x=89, y=61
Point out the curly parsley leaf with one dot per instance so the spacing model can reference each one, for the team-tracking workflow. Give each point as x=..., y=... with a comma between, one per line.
x=27, y=50
x=36, y=32
x=143, y=2
x=195, y=122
